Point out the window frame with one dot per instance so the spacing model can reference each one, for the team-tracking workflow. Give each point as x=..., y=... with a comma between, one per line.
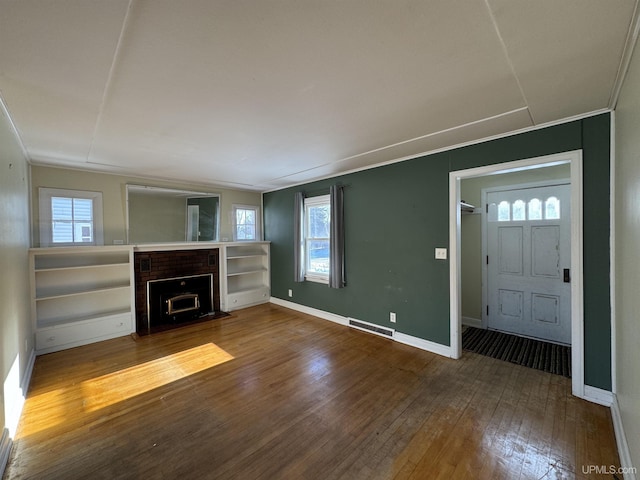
x=46, y=221
x=234, y=220
x=308, y=203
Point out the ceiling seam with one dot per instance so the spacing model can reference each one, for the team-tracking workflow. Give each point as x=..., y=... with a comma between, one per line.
x=108, y=83
x=490, y=138
x=625, y=58
x=509, y=62
x=422, y=137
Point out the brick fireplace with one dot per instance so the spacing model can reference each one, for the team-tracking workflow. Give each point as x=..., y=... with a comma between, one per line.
x=151, y=266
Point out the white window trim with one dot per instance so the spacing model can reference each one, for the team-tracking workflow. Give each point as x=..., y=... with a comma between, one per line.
x=237, y=206
x=45, y=195
x=310, y=202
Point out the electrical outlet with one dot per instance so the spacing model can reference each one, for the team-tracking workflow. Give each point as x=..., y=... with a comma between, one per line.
x=392, y=317
x=290, y=293
x=441, y=253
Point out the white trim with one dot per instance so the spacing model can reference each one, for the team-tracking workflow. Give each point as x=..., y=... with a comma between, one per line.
x=28, y=370
x=574, y=158
x=310, y=202
x=18, y=395
x=597, y=395
x=621, y=441
x=577, y=277
x=399, y=337
x=612, y=252
x=491, y=138
x=332, y=317
x=5, y=451
x=423, y=344
x=472, y=322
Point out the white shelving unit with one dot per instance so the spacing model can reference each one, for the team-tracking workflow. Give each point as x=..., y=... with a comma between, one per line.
x=245, y=279
x=81, y=295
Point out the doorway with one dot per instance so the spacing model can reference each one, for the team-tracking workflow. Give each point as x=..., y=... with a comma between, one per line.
x=574, y=162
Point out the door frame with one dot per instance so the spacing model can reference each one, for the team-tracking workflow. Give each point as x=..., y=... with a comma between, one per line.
x=574, y=159
x=484, y=234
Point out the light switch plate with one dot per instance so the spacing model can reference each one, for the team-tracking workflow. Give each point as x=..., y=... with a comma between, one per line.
x=441, y=253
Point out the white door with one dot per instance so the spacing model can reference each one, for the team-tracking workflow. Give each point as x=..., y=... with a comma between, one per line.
x=528, y=260
x=193, y=223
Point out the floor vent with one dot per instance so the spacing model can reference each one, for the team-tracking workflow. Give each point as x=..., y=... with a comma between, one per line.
x=370, y=327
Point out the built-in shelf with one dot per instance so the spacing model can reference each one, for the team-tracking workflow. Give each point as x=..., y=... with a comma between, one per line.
x=82, y=293
x=245, y=272
x=87, y=291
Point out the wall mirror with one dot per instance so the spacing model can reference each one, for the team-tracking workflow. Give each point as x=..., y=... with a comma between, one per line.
x=158, y=215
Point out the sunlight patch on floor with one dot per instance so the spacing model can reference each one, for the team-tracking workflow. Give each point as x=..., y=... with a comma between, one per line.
x=124, y=384
x=55, y=407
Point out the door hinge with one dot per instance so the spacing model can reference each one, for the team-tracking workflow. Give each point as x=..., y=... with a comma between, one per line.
x=486, y=208
x=487, y=259
x=487, y=310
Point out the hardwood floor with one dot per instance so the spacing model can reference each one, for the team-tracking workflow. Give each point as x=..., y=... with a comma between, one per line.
x=270, y=393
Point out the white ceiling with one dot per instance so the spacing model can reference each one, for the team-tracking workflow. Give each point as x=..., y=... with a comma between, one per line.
x=261, y=94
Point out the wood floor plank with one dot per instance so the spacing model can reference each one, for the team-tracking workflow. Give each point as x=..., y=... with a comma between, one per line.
x=272, y=393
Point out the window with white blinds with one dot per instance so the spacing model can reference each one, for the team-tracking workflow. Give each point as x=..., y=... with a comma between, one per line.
x=70, y=217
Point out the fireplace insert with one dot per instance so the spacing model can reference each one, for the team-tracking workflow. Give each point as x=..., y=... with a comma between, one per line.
x=179, y=299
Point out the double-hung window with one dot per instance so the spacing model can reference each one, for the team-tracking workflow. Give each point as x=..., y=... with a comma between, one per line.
x=246, y=222
x=317, y=218
x=70, y=217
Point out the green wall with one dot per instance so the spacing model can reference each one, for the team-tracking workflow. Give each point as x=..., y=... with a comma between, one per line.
x=397, y=214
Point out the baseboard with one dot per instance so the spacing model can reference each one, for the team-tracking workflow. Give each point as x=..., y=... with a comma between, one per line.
x=472, y=322
x=399, y=337
x=26, y=380
x=5, y=450
x=423, y=344
x=621, y=441
x=597, y=395
x=311, y=311
x=17, y=393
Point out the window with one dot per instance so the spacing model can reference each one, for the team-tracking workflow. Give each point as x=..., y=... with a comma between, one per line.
x=70, y=217
x=552, y=208
x=535, y=211
x=504, y=212
x=317, y=218
x=246, y=225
